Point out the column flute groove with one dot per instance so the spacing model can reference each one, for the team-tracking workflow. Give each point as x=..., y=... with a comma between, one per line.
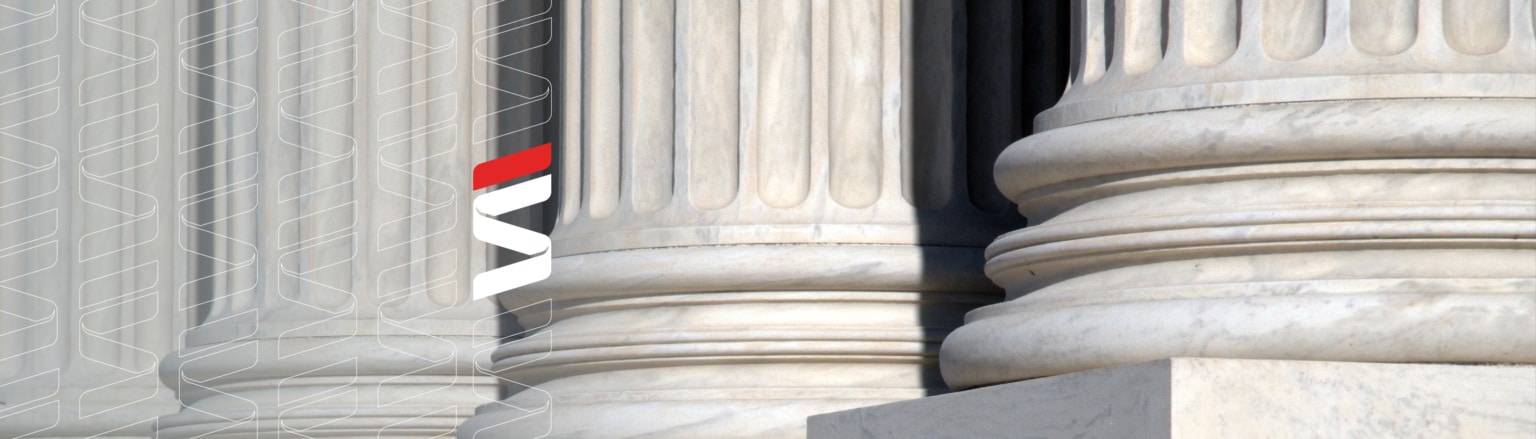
x=86, y=253
x=789, y=273
x=327, y=223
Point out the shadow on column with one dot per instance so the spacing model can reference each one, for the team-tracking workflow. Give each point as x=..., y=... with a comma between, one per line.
x=981, y=71
x=537, y=45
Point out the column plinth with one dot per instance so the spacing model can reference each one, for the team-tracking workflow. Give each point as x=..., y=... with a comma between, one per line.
x=1272, y=184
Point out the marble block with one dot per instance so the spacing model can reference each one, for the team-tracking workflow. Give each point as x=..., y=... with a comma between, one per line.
x=1210, y=398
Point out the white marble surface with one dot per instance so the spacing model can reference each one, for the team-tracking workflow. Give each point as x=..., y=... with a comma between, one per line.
x=1218, y=398
x=1135, y=57
x=325, y=221
x=87, y=249
x=798, y=242
x=1386, y=222
x=1357, y=241
x=761, y=141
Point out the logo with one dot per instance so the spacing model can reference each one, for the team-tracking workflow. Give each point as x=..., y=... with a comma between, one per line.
x=501, y=201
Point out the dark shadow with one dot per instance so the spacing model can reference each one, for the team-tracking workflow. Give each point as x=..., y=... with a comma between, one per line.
x=530, y=40
x=998, y=63
x=203, y=286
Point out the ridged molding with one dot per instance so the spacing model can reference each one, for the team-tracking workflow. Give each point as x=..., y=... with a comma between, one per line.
x=87, y=255
x=1146, y=56
x=714, y=123
x=1311, y=198
x=769, y=212
x=324, y=219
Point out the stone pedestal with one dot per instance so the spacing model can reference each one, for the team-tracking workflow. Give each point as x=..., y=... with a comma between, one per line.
x=1309, y=180
x=1215, y=398
x=87, y=256
x=767, y=214
x=325, y=218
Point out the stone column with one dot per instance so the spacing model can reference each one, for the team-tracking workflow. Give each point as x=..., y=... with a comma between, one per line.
x=324, y=214
x=767, y=214
x=86, y=248
x=1295, y=180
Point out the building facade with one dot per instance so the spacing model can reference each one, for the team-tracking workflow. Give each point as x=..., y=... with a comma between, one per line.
x=897, y=218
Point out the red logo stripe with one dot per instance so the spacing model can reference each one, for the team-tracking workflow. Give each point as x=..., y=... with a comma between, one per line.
x=512, y=166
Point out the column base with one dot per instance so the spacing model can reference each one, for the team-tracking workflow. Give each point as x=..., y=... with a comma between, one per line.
x=1208, y=397
x=683, y=413
x=738, y=341
x=69, y=410
x=364, y=386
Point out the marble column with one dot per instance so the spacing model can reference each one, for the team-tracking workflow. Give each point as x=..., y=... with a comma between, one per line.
x=324, y=217
x=1296, y=180
x=87, y=273
x=767, y=214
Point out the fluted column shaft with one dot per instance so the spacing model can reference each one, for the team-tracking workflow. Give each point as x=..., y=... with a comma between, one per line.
x=768, y=214
x=87, y=115
x=1305, y=180
x=325, y=221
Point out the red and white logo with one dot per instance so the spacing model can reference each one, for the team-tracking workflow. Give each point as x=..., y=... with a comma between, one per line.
x=497, y=202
